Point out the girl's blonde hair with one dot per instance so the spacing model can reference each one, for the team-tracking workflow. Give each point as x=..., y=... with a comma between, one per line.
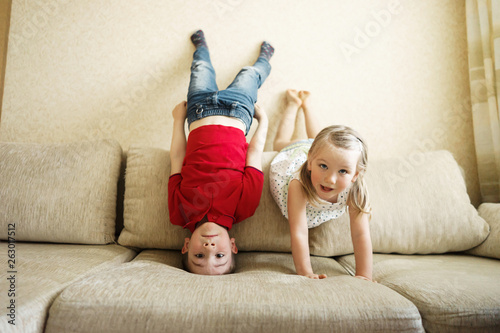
x=346, y=138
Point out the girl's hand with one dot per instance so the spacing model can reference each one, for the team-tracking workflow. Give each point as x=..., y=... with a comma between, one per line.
x=316, y=276
x=364, y=278
x=180, y=111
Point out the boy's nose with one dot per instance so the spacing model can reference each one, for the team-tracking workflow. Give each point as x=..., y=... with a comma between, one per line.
x=207, y=244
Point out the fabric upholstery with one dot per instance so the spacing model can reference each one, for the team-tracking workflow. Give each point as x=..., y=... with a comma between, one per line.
x=454, y=293
x=44, y=270
x=62, y=193
x=491, y=246
x=420, y=205
x=145, y=209
x=153, y=294
x=424, y=210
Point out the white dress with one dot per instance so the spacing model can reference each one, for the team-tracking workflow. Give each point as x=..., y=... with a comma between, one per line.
x=285, y=167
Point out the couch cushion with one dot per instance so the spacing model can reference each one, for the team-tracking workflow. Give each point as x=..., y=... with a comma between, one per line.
x=153, y=294
x=454, y=293
x=62, y=193
x=491, y=246
x=42, y=271
x=421, y=205
x=146, y=222
x=421, y=210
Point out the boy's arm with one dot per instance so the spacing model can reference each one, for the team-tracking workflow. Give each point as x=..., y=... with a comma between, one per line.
x=178, y=145
x=361, y=241
x=299, y=233
x=256, y=146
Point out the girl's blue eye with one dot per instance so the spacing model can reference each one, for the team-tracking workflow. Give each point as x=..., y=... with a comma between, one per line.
x=323, y=166
x=220, y=255
x=343, y=171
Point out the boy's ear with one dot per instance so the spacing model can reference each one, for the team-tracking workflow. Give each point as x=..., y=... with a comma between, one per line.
x=185, y=248
x=234, y=249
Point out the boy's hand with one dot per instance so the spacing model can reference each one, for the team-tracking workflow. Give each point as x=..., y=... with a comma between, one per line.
x=180, y=111
x=259, y=114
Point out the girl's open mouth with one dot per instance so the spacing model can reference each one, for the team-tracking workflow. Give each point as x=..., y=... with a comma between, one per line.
x=326, y=189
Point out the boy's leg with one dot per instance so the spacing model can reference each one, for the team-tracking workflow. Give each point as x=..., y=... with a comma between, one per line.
x=202, y=72
x=312, y=125
x=251, y=78
x=287, y=123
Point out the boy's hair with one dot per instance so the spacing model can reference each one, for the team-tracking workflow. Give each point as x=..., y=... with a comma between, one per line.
x=346, y=138
x=185, y=265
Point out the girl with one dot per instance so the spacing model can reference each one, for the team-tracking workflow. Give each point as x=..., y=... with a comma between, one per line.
x=314, y=181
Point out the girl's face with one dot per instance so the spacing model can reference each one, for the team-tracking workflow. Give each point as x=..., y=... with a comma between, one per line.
x=333, y=170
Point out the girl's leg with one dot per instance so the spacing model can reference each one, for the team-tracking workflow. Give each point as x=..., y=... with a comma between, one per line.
x=251, y=78
x=287, y=124
x=202, y=72
x=312, y=125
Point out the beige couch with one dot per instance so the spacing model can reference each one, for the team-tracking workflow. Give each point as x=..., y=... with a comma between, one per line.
x=70, y=273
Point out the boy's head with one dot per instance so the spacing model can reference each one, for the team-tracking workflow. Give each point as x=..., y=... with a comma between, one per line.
x=209, y=251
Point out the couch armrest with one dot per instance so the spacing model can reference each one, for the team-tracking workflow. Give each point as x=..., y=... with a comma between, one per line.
x=491, y=246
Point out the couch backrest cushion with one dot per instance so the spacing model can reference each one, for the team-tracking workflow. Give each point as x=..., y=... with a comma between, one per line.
x=146, y=221
x=421, y=205
x=64, y=193
x=424, y=209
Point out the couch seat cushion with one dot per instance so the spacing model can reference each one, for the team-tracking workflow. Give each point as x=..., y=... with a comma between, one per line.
x=152, y=293
x=42, y=271
x=454, y=292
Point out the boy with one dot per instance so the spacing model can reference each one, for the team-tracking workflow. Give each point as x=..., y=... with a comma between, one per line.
x=216, y=177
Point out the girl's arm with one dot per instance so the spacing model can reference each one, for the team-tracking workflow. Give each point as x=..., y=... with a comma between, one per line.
x=256, y=145
x=361, y=241
x=299, y=232
x=178, y=145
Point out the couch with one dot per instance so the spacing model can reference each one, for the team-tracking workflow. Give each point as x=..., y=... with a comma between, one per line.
x=69, y=265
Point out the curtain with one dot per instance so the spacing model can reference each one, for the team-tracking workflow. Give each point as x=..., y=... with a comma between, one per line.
x=483, y=35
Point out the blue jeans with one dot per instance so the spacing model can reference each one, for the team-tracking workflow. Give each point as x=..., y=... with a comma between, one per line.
x=237, y=100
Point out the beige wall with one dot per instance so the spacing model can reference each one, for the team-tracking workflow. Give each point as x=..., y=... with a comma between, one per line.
x=394, y=70
x=4, y=32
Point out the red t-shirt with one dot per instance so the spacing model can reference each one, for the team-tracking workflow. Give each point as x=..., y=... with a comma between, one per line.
x=214, y=180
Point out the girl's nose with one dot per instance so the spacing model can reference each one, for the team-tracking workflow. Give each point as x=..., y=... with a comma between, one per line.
x=331, y=178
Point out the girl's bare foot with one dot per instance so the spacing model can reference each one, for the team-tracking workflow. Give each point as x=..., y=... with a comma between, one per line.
x=304, y=97
x=312, y=124
x=292, y=97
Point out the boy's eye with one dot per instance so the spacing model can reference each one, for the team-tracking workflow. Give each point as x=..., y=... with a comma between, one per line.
x=220, y=255
x=199, y=255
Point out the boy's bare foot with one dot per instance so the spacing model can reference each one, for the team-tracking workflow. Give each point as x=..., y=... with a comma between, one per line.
x=292, y=97
x=304, y=97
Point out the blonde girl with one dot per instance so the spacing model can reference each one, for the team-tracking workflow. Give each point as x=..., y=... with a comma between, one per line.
x=315, y=181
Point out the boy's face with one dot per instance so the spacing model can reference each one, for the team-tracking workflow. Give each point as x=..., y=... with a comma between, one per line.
x=209, y=250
